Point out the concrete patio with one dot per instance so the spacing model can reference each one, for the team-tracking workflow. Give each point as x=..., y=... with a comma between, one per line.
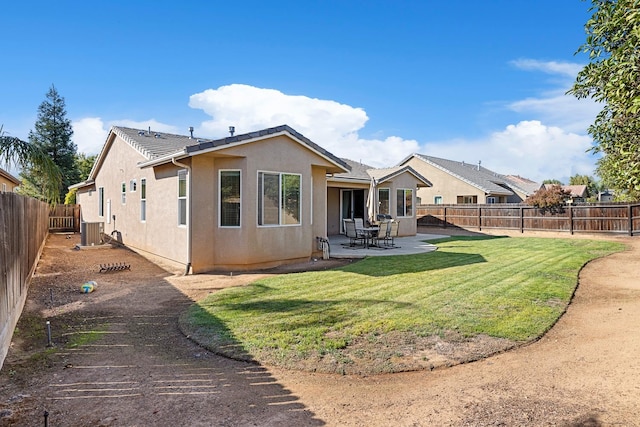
x=339, y=245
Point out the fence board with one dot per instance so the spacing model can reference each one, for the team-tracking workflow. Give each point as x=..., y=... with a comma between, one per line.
x=23, y=230
x=610, y=218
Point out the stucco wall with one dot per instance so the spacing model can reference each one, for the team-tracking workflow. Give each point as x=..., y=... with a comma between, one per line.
x=160, y=234
x=213, y=247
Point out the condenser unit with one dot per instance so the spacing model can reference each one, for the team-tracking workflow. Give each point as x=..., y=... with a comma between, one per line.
x=91, y=233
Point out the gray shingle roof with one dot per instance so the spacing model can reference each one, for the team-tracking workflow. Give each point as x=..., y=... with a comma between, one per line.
x=476, y=175
x=159, y=145
x=153, y=144
x=363, y=172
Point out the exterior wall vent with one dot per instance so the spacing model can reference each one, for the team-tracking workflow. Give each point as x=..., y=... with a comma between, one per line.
x=91, y=233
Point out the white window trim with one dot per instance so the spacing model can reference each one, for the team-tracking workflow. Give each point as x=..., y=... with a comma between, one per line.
x=184, y=172
x=101, y=202
x=404, y=210
x=143, y=199
x=388, y=189
x=220, y=198
x=280, y=224
x=133, y=185
x=436, y=197
x=491, y=200
x=123, y=193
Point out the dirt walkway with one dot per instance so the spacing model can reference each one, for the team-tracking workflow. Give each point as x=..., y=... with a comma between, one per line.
x=141, y=371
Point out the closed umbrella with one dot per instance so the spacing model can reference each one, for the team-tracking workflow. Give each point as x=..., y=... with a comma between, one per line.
x=372, y=203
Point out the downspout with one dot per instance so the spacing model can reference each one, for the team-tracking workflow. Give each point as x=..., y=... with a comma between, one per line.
x=188, y=168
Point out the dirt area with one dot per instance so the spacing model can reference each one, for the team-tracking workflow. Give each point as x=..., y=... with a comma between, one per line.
x=119, y=359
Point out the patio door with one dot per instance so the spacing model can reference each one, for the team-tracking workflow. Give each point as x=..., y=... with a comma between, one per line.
x=352, y=205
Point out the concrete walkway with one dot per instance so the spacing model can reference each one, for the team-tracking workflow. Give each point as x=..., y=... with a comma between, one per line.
x=340, y=248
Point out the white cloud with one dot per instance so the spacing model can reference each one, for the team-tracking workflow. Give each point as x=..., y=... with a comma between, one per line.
x=332, y=125
x=529, y=149
x=566, y=69
x=89, y=134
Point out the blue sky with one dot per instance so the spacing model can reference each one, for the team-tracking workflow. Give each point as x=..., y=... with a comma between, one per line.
x=369, y=80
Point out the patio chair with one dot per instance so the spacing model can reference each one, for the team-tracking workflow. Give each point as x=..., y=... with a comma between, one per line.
x=382, y=232
x=352, y=234
x=392, y=232
x=359, y=223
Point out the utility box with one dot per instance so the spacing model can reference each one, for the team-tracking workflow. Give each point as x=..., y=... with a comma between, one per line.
x=91, y=233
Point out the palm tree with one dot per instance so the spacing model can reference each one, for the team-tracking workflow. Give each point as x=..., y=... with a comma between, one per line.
x=20, y=153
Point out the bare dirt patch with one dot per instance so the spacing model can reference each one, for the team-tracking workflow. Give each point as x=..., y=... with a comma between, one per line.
x=119, y=359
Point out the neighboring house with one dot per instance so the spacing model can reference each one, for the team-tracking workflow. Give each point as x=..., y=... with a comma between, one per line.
x=8, y=182
x=464, y=183
x=395, y=195
x=578, y=193
x=248, y=201
x=606, y=196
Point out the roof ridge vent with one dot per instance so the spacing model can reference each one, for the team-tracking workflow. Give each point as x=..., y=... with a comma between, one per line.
x=157, y=135
x=140, y=132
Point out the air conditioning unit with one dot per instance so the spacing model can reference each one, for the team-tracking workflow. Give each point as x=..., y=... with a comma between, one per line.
x=91, y=233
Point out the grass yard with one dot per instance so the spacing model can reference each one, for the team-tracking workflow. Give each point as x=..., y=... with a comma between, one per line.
x=399, y=312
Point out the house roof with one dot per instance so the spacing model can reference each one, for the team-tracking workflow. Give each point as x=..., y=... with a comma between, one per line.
x=9, y=177
x=527, y=186
x=363, y=173
x=161, y=147
x=200, y=146
x=473, y=174
x=575, y=190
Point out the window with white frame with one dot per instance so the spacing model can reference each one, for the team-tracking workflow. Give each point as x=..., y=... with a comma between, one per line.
x=100, y=201
x=123, y=193
x=437, y=200
x=383, y=201
x=230, y=200
x=182, y=197
x=143, y=199
x=491, y=200
x=133, y=185
x=4, y=187
x=279, y=198
x=404, y=202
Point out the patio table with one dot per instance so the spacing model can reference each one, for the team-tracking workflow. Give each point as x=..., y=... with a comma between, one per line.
x=370, y=233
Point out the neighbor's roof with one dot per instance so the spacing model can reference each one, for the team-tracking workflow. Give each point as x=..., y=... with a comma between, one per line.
x=473, y=174
x=9, y=177
x=576, y=190
x=527, y=186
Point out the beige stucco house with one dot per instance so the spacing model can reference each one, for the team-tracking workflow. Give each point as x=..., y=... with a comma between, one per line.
x=8, y=182
x=464, y=183
x=394, y=194
x=242, y=202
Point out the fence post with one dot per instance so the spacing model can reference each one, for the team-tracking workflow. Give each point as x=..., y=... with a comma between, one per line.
x=479, y=218
x=570, y=219
x=630, y=220
x=445, y=217
x=521, y=219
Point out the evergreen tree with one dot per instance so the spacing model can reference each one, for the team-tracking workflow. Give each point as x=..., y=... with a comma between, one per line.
x=52, y=135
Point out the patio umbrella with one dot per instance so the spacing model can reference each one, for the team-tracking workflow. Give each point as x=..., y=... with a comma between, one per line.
x=372, y=203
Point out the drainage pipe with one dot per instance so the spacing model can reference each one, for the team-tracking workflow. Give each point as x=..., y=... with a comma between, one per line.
x=188, y=168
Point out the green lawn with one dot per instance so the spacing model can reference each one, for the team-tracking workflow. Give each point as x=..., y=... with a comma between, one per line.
x=510, y=288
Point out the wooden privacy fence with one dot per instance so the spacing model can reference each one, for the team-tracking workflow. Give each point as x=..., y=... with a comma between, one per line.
x=64, y=218
x=23, y=230
x=610, y=218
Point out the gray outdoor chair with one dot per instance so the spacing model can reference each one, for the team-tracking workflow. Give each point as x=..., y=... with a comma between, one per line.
x=352, y=234
x=392, y=232
x=383, y=231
